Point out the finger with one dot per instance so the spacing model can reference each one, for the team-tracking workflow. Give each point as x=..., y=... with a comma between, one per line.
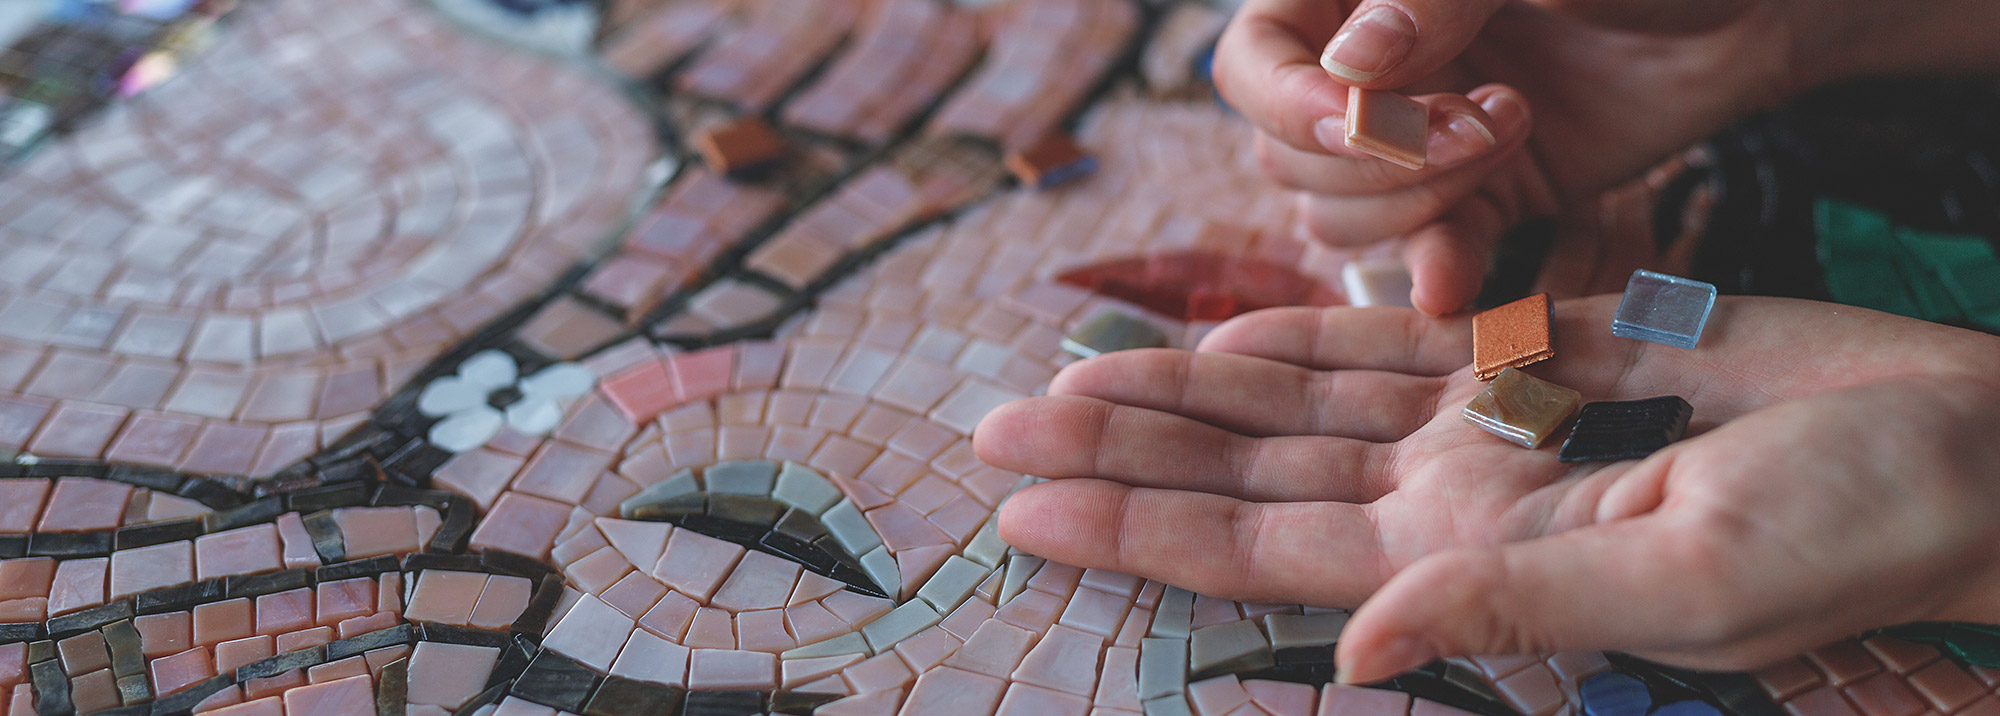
x=1466, y=132
x=1388, y=339
x=1267, y=68
x=1210, y=544
x=1448, y=259
x=1572, y=591
x=1255, y=396
x=1069, y=436
x=1386, y=44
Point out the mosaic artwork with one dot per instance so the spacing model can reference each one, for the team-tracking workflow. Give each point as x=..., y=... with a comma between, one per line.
x=374, y=365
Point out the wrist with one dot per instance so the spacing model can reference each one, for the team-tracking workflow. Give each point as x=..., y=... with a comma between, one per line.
x=1856, y=39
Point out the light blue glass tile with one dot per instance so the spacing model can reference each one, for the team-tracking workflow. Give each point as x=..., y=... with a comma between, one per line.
x=1664, y=309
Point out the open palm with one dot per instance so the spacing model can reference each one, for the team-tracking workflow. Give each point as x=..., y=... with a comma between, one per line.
x=1319, y=456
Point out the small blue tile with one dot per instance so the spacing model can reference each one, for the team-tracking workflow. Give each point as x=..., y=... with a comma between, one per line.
x=1664, y=309
x=1615, y=694
x=1688, y=708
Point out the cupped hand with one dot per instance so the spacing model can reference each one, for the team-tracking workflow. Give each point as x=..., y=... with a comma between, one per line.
x=1839, y=475
x=1537, y=107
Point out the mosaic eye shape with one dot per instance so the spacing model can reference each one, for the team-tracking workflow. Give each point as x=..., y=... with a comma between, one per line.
x=1663, y=309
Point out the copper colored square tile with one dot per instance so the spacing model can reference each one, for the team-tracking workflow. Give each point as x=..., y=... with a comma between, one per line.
x=742, y=145
x=1387, y=125
x=1511, y=336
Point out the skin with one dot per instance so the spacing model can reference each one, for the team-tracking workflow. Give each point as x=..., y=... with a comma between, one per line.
x=1539, y=107
x=1837, y=477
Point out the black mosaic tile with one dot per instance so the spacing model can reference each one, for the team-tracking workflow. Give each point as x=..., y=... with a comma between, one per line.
x=1431, y=687
x=723, y=703
x=180, y=596
x=455, y=562
x=92, y=618
x=21, y=631
x=726, y=530
x=257, y=512
x=388, y=495
x=356, y=471
x=799, y=702
x=540, y=608
x=1610, y=431
x=487, y=698
x=51, y=687
x=70, y=544
x=519, y=565
x=135, y=690
x=326, y=537
x=459, y=516
x=619, y=696
x=671, y=509
x=513, y=660
x=813, y=558
x=369, y=567
x=257, y=585
x=392, y=688
x=416, y=459
x=65, y=468
x=149, y=478
x=556, y=681
x=455, y=634
x=148, y=535
x=345, y=494
x=127, y=654
x=210, y=492
x=281, y=663
x=184, y=701
x=13, y=546
x=361, y=643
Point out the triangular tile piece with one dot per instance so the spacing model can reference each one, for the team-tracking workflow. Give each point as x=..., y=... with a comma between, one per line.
x=641, y=542
x=812, y=586
x=917, y=565
x=880, y=702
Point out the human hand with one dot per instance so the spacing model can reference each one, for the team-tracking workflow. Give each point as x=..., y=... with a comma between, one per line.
x=1839, y=476
x=1615, y=87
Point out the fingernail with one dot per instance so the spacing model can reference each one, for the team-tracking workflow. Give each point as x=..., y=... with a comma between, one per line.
x=1506, y=112
x=1395, y=658
x=1331, y=131
x=1370, y=44
x=1464, y=137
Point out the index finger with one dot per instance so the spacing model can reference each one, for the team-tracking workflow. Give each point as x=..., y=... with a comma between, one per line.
x=1267, y=67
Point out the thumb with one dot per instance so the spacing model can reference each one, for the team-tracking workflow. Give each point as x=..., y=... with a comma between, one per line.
x=1387, y=44
x=1622, y=585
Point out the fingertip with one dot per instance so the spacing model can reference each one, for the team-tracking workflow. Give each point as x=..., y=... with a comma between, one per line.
x=999, y=435
x=1441, y=281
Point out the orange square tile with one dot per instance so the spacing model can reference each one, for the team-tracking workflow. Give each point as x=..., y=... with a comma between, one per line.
x=1511, y=336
